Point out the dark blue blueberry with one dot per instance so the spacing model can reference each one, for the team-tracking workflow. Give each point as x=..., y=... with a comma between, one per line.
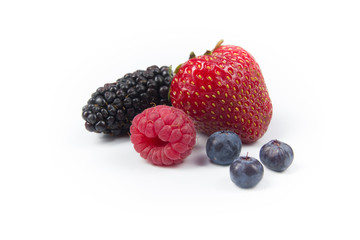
x=223, y=147
x=246, y=172
x=276, y=155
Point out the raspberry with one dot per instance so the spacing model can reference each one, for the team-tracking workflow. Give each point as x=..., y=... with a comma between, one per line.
x=163, y=135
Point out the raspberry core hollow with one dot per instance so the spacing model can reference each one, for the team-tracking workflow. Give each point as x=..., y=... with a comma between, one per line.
x=163, y=135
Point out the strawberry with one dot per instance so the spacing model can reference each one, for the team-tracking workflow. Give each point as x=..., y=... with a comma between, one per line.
x=223, y=90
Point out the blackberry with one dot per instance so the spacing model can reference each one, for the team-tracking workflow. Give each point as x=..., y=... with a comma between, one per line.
x=112, y=107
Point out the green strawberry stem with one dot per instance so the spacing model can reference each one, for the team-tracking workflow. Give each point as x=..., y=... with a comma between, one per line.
x=208, y=52
x=192, y=55
x=218, y=44
x=177, y=68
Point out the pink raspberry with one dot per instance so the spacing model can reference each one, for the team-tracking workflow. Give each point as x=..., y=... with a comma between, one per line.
x=163, y=135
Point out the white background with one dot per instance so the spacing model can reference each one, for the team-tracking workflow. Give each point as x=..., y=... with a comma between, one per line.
x=58, y=181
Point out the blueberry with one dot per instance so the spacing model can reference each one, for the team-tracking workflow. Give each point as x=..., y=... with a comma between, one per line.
x=223, y=147
x=276, y=155
x=246, y=172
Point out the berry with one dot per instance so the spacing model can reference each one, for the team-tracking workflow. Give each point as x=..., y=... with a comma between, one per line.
x=276, y=155
x=224, y=90
x=246, y=172
x=112, y=107
x=223, y=147
x=163, y=135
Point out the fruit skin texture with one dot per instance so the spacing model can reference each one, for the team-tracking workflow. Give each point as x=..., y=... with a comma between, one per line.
x=163, y=135
x=276, y=155
x=223, y=147
x=112, y=107
x=246, y=172
x=224, y=91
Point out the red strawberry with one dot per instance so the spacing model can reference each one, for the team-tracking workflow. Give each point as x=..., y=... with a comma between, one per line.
x=224, y=90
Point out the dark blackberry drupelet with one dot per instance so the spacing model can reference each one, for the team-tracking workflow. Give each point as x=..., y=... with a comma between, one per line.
x=112, y=107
